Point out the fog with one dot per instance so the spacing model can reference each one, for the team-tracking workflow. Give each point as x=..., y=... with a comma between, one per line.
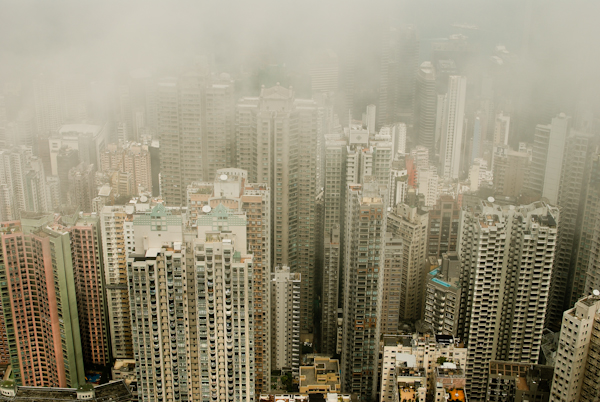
x=281, y=117
x=100, y=39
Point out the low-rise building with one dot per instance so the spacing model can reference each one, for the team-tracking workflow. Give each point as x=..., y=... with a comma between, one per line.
x=519, y=382
x=115, y=391
x=417, y=352
x=321, y=378
x=124, y=369
x=409, y=383
x=450, y=381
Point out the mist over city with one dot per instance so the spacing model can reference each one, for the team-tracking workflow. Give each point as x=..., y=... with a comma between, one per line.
x=279, y=201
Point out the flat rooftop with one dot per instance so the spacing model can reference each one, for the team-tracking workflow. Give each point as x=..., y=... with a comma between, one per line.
x=457, y=395
x=116, y=391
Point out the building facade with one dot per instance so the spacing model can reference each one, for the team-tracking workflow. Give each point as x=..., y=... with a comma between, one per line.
x=577, y=360
x=39, y=304
x=285, y=320
x=506, y=256
x=409, y=224
x=365, y=226
x=280, y=149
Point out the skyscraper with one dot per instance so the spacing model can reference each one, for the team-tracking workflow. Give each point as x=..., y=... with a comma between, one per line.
x=425, y=107
x=114, y=247
x=330, y=293
x=392, y=280
x=25, y=187
x=409, y=224
x=588, y=255
x=231, y=188
x=576, y=372
x=547, y=158
x=442, y=296
x=452, y=127
x=196, y=113
x=225, y=307
x=555, y=159
x=129, y=157
x=510, y=171
x=443, y=227
x=218, y=140
x=568, y=282
x=39, y=303
x=506, y=256
x=277, y=144
x=324, y=72
x=199, y=342
x=398, y=69
x=180, y=138
x=82, y=186
x=501, y=129
x=88, y=270
x=285, y=319
x=350, y=158
x=365, y=224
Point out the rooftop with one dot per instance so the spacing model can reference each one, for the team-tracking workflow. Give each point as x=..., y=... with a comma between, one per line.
x=457, y=394
x=116, y=391
x=80, y=128
x=325, y=371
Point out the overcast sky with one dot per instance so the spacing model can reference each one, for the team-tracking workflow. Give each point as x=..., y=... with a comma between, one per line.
x=100, y=37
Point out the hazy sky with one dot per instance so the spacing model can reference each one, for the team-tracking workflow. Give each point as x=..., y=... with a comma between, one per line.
x=102, y=36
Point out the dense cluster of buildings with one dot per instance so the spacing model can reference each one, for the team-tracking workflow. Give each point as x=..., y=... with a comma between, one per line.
x=197, y=240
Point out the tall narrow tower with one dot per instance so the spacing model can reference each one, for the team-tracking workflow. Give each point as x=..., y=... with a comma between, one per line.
x=231, y=188
x=426, y=107
x=398, y=70
x=39, y=304
x=506, y=256
x=277, y=144
x=363, y=284
x=452, y=127
x=195, y=114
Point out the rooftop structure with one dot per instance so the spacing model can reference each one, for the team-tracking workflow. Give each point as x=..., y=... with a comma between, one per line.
x=322, y=377
x=510, y=381
x=408, y=358
x=116, y=391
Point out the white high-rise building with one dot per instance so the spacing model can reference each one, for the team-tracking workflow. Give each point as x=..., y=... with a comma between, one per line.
x=428, y=185
x=191, y=304
x=453, y=126
x=577, y=364
x=397, y=134
x=225, y=300
x=116, y=223
x=371, y=115
x=501, y=129
x=25, y=187
x=398, y=185
x=364, y=241
x=506, y=256
x=231, y=188
x=554, y=159
x=160, y=317
x=285, y=319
